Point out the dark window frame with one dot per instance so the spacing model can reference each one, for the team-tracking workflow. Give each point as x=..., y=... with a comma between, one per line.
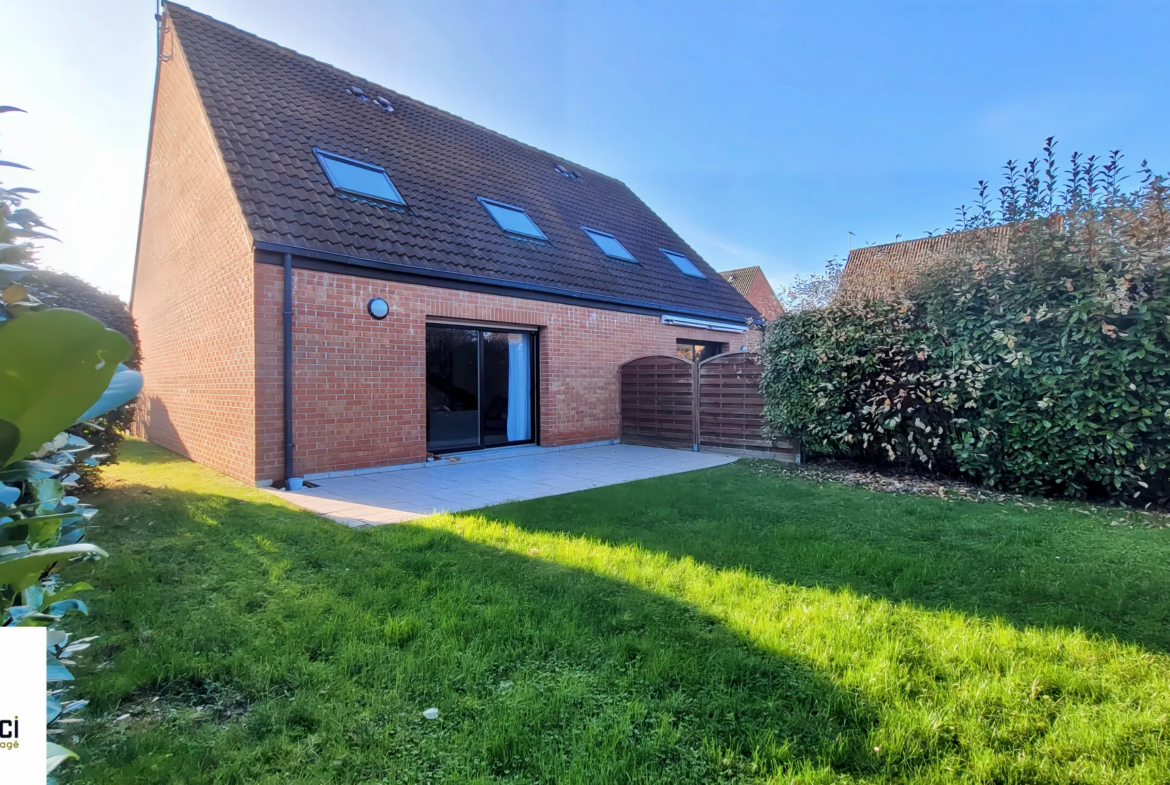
x=719, y=346
x=484, y=202
x=323, y=155
x=590, y=231
x=534, y=387
x=671, y=256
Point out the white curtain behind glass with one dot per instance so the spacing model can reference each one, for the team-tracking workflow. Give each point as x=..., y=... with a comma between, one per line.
x=519, y=387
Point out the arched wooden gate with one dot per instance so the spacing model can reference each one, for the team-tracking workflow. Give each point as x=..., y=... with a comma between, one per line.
x=658, y=402
x=713, y=405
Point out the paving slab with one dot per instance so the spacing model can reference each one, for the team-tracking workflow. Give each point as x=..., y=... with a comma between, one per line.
x=415, y=492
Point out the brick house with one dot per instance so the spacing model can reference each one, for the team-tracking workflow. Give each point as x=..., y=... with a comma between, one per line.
x=331, y=276
x=753, y=285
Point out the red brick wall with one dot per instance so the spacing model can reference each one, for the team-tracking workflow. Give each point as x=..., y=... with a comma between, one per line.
x=359, y=388
x=193, y=290
x=761, y=295
x=209, y=318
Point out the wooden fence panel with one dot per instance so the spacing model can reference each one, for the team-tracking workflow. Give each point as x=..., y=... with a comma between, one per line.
x=658, y=402
x=731, y=408
x=717, y=405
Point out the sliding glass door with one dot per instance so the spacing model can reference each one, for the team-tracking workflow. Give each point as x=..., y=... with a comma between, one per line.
x=481, y=388
x=452, y=389
x=506, y=382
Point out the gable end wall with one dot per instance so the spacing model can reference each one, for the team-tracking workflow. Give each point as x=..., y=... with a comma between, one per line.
x=761, y=295
x=194, y=289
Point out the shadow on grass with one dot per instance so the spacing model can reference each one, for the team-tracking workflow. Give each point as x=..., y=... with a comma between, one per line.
x=337, y=640
x=1053, y=568
x=643, y=651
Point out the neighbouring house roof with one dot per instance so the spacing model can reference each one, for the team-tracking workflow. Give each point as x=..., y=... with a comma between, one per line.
x=878, y=272
x=269, y=107
x=741, y=278
x=763, y=298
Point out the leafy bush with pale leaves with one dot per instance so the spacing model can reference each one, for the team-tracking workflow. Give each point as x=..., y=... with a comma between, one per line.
x=1034, y=357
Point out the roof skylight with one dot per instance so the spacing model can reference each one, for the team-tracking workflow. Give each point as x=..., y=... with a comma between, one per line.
x=512, y=219
x=683, y=263
x=609, y=244
x=358, y=178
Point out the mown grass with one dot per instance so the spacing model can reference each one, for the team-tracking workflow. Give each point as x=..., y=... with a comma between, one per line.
x=724, y=625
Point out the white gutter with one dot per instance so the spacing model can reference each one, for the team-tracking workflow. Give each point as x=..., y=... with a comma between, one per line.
x=703, y=324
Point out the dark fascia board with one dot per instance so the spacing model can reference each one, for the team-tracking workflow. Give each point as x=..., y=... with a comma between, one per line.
x=303, y=258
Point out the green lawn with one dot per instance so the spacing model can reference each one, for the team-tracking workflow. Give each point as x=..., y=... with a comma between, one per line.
x=724, y=625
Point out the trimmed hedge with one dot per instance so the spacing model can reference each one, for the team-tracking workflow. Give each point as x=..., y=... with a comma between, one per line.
x=1034, y=358
x=865, y=381
x=61, y=290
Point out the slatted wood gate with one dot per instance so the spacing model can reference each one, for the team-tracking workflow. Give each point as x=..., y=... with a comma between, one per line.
x=715, y=405
x=658, y=402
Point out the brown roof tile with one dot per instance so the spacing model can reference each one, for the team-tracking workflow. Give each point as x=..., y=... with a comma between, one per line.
x=764, y=298
x=741, y=278
x=878, y=272
x=269, y=107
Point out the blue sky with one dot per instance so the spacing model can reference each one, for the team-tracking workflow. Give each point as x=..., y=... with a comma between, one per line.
x=763, y=132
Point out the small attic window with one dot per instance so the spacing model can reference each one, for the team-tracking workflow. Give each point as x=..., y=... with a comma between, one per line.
x=512, y=219
x=358, y=178
x=685, y=264
x=609, y=245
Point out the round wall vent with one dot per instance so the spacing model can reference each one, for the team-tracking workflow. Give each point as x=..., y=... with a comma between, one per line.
x=378, y=308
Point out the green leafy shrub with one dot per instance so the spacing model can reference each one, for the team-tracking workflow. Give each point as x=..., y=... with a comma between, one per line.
x=60, y=369
x=39, y=288
x=1031, y=356
x=61, y=290
x=865, y=380
x=59, y=366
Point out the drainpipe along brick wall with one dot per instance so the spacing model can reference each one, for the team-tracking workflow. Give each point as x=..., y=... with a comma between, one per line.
x=359, y=388
x=209, y=317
